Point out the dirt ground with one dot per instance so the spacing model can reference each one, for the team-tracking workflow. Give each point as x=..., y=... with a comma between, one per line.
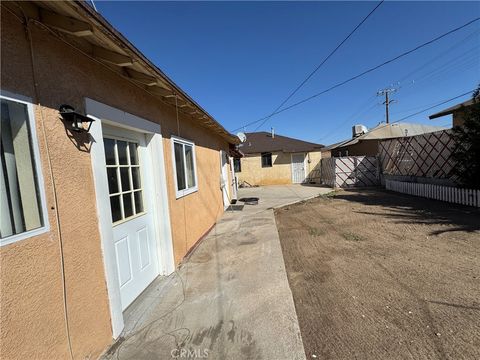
x=379, y=275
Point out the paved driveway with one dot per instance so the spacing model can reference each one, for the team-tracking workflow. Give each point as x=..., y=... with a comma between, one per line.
x=230, y=299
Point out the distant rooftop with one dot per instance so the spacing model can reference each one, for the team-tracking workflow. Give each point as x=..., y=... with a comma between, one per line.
x=388, y=131
x=454, y=108
x=258, y=142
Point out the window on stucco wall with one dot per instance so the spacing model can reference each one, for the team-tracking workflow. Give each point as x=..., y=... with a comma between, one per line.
x=237, y=165
x=266, y=159
x=21, y=202
x=185, y=166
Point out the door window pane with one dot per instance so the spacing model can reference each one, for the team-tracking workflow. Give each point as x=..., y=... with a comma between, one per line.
x=133, y=153
x=112, y=180
x=136, y=177
x=125, y=179
x=138, y=202
x=109, y=146
x=20, y=203
x=122, y=152
x=116, y=208
x=127, y=205
x=180, y=166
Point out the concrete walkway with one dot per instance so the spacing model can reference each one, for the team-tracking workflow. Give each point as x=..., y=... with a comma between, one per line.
x=229, y=300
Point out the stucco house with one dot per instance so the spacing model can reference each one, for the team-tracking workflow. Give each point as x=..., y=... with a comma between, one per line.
x=365, y=142
x=457, y=111
x=271, y=159
x=110, y=174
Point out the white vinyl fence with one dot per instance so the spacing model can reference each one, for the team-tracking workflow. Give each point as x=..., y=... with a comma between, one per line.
x=454, y=195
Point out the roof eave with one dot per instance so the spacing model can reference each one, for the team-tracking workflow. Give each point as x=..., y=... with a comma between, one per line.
x=440, y=114
x=104, y=26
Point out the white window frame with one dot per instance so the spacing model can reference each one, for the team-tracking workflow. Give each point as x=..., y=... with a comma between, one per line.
x=185, y=192
x=37, y=166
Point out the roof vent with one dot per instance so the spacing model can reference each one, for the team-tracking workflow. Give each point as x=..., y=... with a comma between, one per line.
x=358, y=130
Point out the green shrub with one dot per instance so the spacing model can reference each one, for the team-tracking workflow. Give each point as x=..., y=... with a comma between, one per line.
x=467, y=145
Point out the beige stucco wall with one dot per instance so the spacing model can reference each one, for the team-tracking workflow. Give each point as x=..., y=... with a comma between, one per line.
x=32, y=312
x=326, y=154
x=280, y=172
x=314, y=166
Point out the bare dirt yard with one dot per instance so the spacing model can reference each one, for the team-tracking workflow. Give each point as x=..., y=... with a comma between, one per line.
x=379, y=275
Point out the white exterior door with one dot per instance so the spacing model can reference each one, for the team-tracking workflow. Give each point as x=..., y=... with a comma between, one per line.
x=298, y=168
x=224, y=178
x=128, y=167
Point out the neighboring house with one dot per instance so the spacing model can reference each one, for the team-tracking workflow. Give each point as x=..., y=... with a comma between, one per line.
x=271, y=159
x=89, y=219
x=457, y=111
x=366, y=142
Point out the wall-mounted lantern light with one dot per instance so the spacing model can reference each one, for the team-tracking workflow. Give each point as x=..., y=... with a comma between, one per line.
x=80, y=122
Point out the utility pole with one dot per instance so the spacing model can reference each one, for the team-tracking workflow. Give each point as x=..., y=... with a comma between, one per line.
x=385, y=92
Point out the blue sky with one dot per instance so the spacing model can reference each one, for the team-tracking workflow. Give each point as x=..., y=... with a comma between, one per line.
x=239, y=60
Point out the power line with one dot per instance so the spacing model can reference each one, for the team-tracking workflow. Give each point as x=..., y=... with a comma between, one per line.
x=439, y=56
x=437, y=78
x=463, y=61
x=321, y=64
x=339, y=128
x=363, y=73
x=362, y=110
x=434, y=106
x=404, y=118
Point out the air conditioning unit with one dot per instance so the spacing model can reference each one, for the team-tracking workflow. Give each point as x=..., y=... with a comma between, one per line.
x=358, y=130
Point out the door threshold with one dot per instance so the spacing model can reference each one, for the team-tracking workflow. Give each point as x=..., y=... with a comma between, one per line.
x=135, y=316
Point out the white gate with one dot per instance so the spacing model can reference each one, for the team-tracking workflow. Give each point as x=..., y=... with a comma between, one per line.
x=350, y=171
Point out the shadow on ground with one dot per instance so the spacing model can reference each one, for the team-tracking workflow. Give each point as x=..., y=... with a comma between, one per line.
x=382, y=275
x=411, y=209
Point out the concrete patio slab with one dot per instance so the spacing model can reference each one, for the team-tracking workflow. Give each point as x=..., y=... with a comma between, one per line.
x=229, y=300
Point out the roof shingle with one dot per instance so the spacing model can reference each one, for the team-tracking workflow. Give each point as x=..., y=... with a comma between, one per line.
x=259, y=142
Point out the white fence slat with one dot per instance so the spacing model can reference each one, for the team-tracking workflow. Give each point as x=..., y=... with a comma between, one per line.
x=469, y=197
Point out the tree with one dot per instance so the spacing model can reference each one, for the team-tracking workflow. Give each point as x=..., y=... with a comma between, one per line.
x=467, y=145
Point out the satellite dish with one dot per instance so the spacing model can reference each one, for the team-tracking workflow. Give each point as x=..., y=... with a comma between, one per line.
x=242, y=137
